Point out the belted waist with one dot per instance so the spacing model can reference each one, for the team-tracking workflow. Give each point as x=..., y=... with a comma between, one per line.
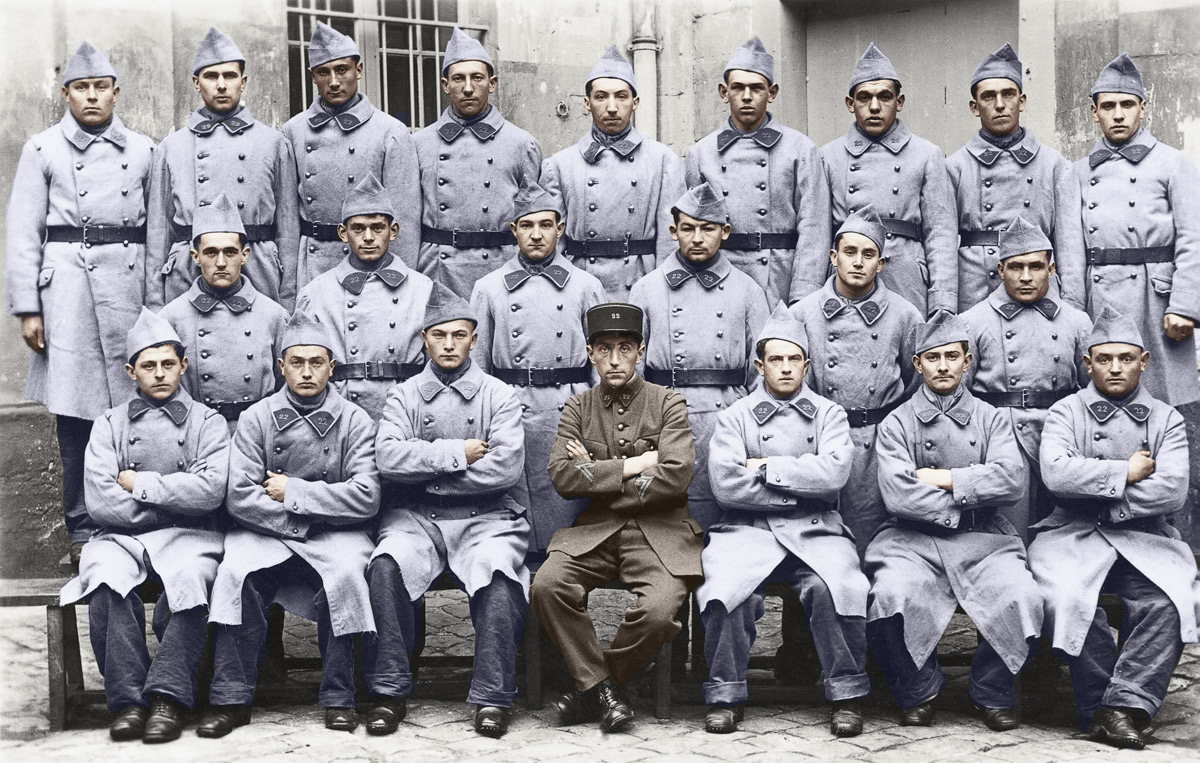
x=96, y=234
x=969, y=521
x=1024, y=398
x=467, y=239
x=865, y=417
x=427, y=499
x=979, y=238
x=903, y=229
x=376, y=370
x=696, y=377
x=1135, y=255
x=254, y=233
x=543, y=377
x=753, y=242
x=319, y=231
x=231, y=411
x=613, y=247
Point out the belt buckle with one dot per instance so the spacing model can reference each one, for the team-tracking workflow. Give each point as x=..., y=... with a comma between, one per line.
x=375, y=369
x=856, y=415
x=86, y=228
x=529, y=376
x=758, y=241
x=1092, y=251
x=673, y=370
x=1025, y=397
x=454, y=238
x=625, y=245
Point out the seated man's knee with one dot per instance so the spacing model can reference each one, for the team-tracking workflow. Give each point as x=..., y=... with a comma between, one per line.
x=382, y=571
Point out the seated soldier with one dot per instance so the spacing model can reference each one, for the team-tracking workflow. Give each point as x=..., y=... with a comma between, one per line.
x=452, y=435
x=948, y=465
x=1116, y=460
x=777, y=461
x=303, y=489
x=154, y=474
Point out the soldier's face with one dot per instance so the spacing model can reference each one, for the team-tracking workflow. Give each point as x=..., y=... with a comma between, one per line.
x=337, y=80
x=537, y=234
x=942, y=367
x=1118, y=114
x=220, y=86
x=611, y=104
x=783, y=367
x=875, y=105
x=306, y=368
x=449, y=343
x=856, y=261
x=998, y=103
x=469, y=85
x=368, y=235
x=91, y=100
x=615, y=357
x=748, y=95
x=1027, y=276
x=220, y=257
x=699, y=240
x=1116, y=367
x=157, y=371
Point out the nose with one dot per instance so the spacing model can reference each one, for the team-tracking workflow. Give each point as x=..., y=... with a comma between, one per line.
x=221, y=260
x=875, y=105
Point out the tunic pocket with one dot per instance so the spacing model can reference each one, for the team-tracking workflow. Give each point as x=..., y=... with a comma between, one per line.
x=45, y=275
x=924, y=268
x=170, y=263
x=1162, y=275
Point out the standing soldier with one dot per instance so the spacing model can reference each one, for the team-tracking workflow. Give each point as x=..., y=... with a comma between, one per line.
x=880, y=164
x=1116, y=460
x=472, y=164
x=223, y=149
x=616, y=184
x=1003, y=173
x=702, y=321
x=233, y=330
x=774, y=179
x=532, y=336
x=337, y=142
x=75, y=262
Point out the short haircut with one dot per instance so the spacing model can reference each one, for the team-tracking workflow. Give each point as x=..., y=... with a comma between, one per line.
x=179, y=351
x=975, y=87
x=1096, y=98
x=895, y=83
x=837, y=240
x=1048, y=252
x=966, y=347
x=328, y=352
x=760, y=348
x=241, y=238
x=446, y=74
x=625, y=334
x=587, y=89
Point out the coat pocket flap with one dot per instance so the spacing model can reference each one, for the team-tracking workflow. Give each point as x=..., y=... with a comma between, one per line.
x=170, y=263
x=45, y=275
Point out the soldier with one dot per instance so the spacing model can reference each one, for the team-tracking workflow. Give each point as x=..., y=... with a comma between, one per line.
x=1029, y=347
x=532, y=336
x=1141, y=213
x=626, y=446
x=342, y=135
x=1004, y=172
x=74, y=263
x=452, y=435
x=233, y=330
x=616, y=184
x=702, y=320
x=779, y=458
x=780, y=198
x=472, y=163
x=1116, y=459
x=223, y=149
x=371, y=302
x=156, y=470
x=947, y=463
x=880, y=164
x=303, y=489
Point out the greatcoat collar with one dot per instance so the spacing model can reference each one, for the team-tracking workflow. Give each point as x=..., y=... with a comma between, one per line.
x=237, y=303
x=450, y=128
x=466, y=385
x=115, y=133
x=764, y=405
x=870, y=308
x=625, y=395
x=346, y=121
x=959, y=413
x=1135, y=149
x=1010, y=308
x=986, y=153
x=517, y=272
x=1103, y=408
x=714, y=274
x=354, y=280
x=765, y=136
x=239, y=122
x=591, y=149
x=895, y=140
x=321, y=420
x=176, y=410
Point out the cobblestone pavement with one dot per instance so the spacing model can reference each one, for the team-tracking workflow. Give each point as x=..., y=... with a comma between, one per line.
x=438, y=724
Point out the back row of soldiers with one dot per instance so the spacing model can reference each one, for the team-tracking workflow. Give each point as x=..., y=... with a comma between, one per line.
x=752, y=232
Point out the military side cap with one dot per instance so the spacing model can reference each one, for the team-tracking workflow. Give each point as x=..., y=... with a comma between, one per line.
x=783, y=325
x=464, y=47
x=753, y=57
x=445, y=306
x=930, y=335
x=305, y=330
x=533, y=198
x=613, y=64
x=328, y=44
x=216, y=48
x=1112, y=327
x=150, y=330
x=865, y=222
x=221, y=216
x=614, y=318
x=1003, y=63
x=1120, y=76
x=369, y=197
x=871, y=66
x=88, y=62
x=703, y=203
x=1023, y=237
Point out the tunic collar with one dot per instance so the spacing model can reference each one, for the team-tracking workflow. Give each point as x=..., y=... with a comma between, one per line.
x=392, y=273
x=200, y=123
x=450, y=128
x=517, y=271
x=591, y=149
x=1010, y=308
x=959, y=411
x=237, y=303
x=625, y=395
x=321, y=420
x=466, y=385
x=709, y=277
x=764, y=405
x=870, y=307
x=1102, y=408
x=985, y=152
x=894, y=140
x=1135, y=149
x=765, y=136
x=115, y=133
x=176, y=409
x=346, y=120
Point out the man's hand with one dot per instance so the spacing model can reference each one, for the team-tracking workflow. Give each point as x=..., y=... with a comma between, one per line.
x=576, y=451
x=33, y=332
x=753, y=463
x=939, y=478
x=476, y=449
x=635, y=465
x=1176, y=326
x=1141, y=466
x=276, y=485
x=125, y=480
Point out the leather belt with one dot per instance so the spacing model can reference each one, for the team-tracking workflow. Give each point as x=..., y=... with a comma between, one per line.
x=865, y=417
x=434, y=500
x=1136, y=255
x=231, y=411
x=697, y=377
x=904, y=229
x=319, y=231
x=96, y=234
x=979, y=238
x=254, y=233
x=969, y=520
x=543, y=377
x=376, y=370
x=1023, y=398
x=753, y=242
x=608, y=247
x=467, y=239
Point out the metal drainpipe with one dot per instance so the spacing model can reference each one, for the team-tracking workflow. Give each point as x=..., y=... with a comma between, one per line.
x=645, y=50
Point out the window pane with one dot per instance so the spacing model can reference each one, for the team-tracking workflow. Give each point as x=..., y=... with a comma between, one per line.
x=399, y=89
x=297, y=81
x=396, y=9
x=447, y=10
x=430, y=89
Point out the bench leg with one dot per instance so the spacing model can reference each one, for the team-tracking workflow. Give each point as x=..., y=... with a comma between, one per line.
x=662, y=682
x=679, y=652
x=699, y=663
x=533, y=661
x=56, y=617
x=72, y=659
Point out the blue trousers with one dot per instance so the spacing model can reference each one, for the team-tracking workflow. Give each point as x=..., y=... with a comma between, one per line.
x=116, y=628
x=991, y=684
x=841, y=641
x=497, y=613
x=73, y=437
x=1135, y=677
x=239, y=648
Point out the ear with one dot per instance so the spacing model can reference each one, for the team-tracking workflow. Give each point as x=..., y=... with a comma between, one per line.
x=636, y=101
x=446, y=85
x=916, y=361
x=129, y=372
x=1021, y=102
x=974, y=107
x=183, y=364
x=850, y=104
x=195, y=255
x=833, y=258
x=967, y=361
x=66, y=95
x=280, y=363
x=196, y=83
x=116, y=92
x=359, y=68
x=772, y=93
x=899, y=102
x=393, y=231
x=1051, y=269
x=512, y=226
x=722, y=90
x=562, y=227
x=674, y=231
x=245, y=253
x=726, y=230
x=1095, y=114
x=343, y=234
x=758, y=366
x=1145, y=360
x=493, y=82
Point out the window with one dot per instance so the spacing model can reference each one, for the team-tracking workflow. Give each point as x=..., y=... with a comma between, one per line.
x=401, y=41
